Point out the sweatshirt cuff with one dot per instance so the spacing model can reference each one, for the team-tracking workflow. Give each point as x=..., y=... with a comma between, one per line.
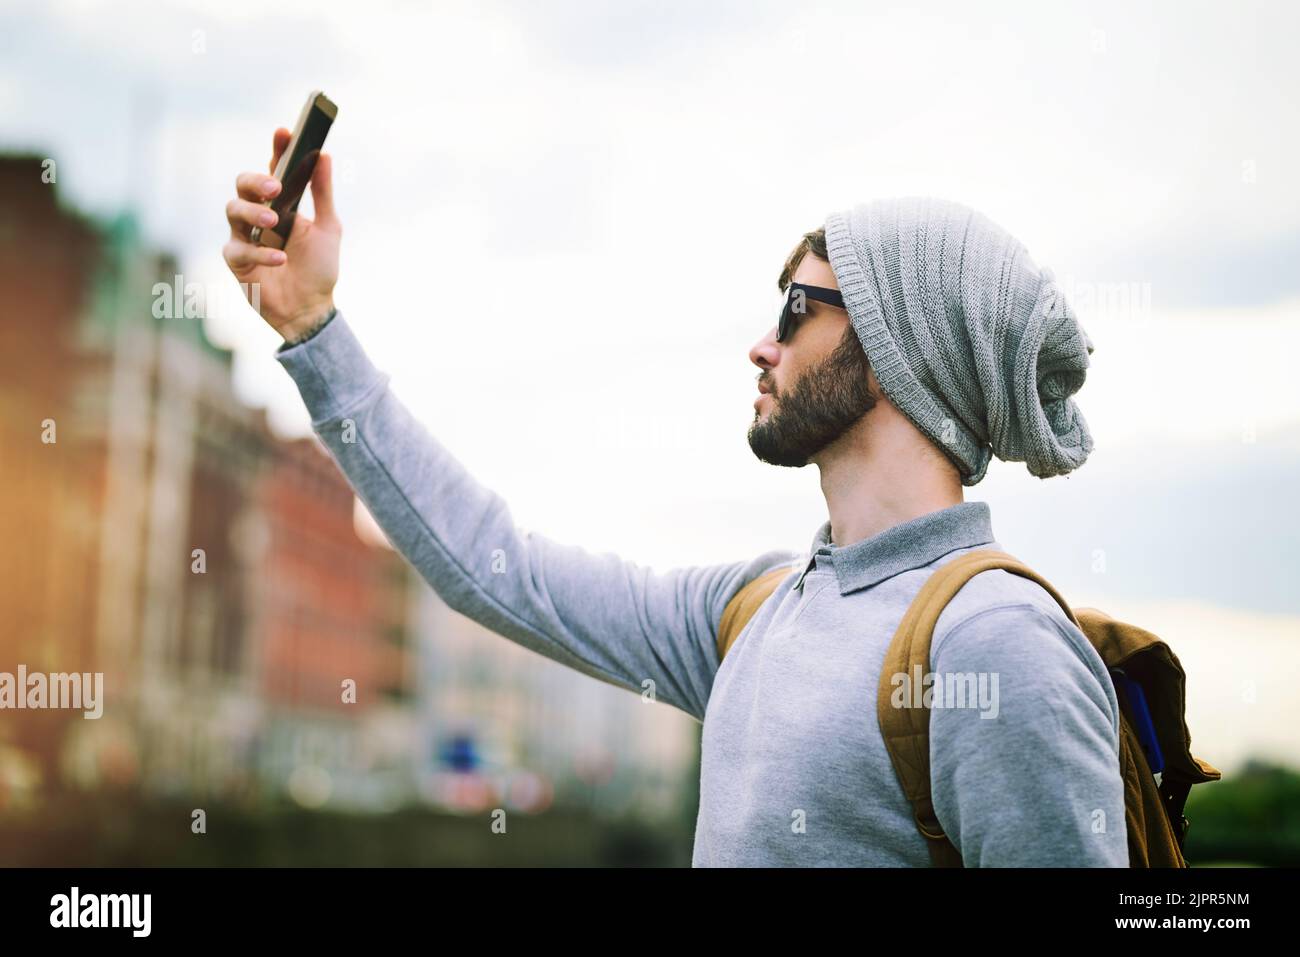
x=332, y=371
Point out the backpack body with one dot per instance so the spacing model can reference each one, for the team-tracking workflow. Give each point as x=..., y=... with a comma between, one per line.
x=1150, y=686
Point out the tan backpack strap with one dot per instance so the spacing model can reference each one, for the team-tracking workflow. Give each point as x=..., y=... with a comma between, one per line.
x=907, y=730
x=744, y=604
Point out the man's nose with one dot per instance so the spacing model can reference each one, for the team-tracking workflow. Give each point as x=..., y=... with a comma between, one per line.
x=766, y=353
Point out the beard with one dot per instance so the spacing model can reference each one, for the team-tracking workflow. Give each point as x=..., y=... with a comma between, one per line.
x=823, y=404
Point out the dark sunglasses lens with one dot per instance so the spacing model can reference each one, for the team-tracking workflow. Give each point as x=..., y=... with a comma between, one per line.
x=783, y=326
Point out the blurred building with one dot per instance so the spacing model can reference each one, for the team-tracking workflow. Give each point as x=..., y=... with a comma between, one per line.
x=332, y=609
x=257, y=637
x=48, y=505
x=160, y=534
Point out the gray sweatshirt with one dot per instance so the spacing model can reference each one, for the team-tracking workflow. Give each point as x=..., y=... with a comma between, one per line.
x=793, y=769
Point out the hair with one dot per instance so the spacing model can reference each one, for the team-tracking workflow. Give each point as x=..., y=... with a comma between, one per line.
x=813, y=242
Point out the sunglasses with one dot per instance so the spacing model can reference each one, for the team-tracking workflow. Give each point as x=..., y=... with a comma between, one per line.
x=796, y=305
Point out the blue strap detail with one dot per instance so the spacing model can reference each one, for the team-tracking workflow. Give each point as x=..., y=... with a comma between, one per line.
x=1141, y=716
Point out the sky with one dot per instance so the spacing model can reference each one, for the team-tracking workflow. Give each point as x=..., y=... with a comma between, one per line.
x=563, y=225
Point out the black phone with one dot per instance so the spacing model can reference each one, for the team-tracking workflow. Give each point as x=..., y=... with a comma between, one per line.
x=296, y=165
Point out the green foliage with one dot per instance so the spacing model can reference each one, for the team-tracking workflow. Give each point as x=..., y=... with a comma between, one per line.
x=1250, y=817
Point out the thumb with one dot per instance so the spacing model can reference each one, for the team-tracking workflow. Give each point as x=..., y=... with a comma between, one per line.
x=322, y=191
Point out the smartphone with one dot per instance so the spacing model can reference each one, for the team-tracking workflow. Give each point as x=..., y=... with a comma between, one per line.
x=296, y=165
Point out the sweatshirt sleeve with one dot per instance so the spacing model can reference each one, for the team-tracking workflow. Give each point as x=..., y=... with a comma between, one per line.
x=609, y=618
x=1031, y=777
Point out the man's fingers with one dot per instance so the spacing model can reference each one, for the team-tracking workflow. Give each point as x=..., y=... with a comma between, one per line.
x=241, y=255
x=256, y=187
x=243, y=215
x=279, y=142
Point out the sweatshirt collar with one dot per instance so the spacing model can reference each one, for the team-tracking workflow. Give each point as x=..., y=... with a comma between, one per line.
x=911, y=544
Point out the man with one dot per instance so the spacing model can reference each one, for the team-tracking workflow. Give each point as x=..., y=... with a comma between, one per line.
x=918, y=340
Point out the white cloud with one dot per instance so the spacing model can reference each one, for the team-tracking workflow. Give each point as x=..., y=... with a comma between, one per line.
x=574, y=215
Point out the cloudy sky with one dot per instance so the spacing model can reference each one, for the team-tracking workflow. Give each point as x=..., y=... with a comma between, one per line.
x=564, y=221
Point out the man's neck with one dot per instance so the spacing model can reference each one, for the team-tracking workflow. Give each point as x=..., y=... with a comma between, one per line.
x=878, y=479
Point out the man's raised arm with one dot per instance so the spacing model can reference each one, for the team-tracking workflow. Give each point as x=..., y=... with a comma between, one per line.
x=604, y=616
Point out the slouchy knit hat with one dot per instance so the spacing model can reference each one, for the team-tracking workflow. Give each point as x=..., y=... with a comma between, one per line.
x=970, y=340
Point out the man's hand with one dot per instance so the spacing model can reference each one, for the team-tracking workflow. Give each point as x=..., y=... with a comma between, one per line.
x=296, y=284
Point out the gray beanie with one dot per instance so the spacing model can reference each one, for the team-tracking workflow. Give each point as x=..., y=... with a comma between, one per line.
x=971, y=340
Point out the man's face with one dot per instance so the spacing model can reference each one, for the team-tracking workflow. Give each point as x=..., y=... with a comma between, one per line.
x=815, y=385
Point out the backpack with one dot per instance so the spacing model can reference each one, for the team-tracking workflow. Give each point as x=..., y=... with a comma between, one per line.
x=1149, y=685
